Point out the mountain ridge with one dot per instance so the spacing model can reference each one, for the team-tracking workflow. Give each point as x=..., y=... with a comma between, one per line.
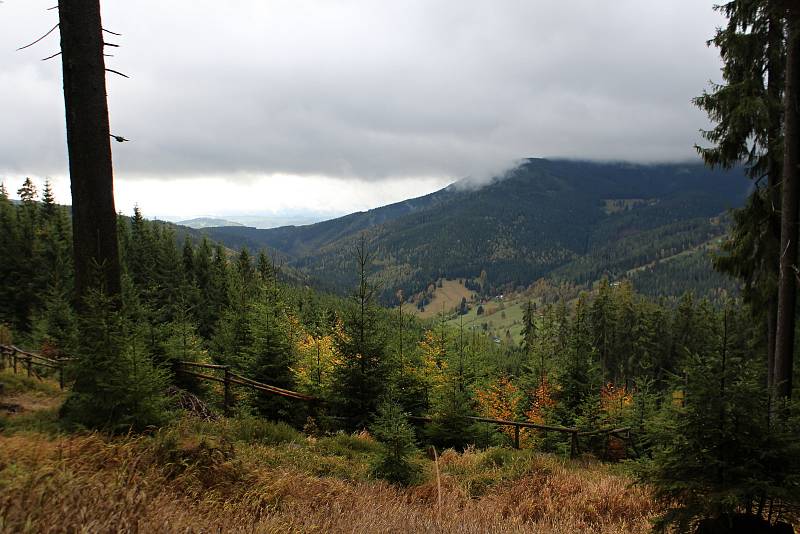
x=207, y=222
x=568, y=219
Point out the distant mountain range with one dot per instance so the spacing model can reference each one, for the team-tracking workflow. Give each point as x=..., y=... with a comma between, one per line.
x=566, y=220
x=207, y=222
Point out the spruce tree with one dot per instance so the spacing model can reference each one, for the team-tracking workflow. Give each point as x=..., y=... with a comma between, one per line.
x=271, y=357
x=183, y=344
x=790, y=200
x=265, y=268
x=747, y=109
x=578, y=378
x=360, y=379
x=26, y=283
x=529, y=329
x=54, y=327
x=10, y=267
x=392, y=430
x=117, y=387
x=602, y=316
x=48, y=201
x=205, y=311
x=715, y=456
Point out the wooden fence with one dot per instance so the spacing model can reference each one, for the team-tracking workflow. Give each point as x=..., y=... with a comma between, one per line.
x=229, y=379
x=621, y=433
x=13, y=356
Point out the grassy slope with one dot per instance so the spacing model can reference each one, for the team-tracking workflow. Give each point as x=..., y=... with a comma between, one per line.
x=499, y=317
x=447, y=298
x=248, y=475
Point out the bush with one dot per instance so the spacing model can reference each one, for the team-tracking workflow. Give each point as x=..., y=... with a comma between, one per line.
x=250, y=429
x=348, y=445
x=392, y=430
x=116, y=387
x=497, y=457
x=451, y=427
x=718, y=455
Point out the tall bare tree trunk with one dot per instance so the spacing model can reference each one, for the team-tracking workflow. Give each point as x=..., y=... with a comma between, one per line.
x=787, y=287
x=94, y=218
x=775, y=87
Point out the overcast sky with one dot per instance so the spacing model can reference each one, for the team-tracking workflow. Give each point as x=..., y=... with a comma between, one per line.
x=332, y=106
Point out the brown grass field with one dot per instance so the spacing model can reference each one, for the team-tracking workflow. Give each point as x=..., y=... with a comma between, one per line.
x=447, y=298
x=245, y=475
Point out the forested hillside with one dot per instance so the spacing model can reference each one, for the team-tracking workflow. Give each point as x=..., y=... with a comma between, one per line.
x=614, y=347
x=604, y=362
x=570, y=220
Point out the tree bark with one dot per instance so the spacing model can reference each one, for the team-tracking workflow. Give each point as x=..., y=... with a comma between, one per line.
x=775, y=87
x=787, y=286
x=94, y=218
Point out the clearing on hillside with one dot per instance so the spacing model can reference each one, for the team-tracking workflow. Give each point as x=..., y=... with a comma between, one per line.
x=447, y=297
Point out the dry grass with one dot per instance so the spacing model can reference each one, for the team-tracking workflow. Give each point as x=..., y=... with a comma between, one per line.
x=248, y=475
x=447, y=298
x=178, y=481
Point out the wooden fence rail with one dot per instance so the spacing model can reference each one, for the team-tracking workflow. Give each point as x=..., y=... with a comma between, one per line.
x=14, y=355
x=239, y=380
x=229, y=379
x=574, y=433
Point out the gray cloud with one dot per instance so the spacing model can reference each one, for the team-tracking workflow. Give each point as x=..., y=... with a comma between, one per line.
x=368, y=89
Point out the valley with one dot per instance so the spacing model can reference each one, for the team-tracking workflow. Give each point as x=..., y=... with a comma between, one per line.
x=565, y=221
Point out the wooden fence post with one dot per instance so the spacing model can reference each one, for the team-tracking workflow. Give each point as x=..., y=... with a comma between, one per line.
x=516, y=436
x=573, y=452
x=61, y=375
x=227, y=400
x=14, y=358
x=28, y=366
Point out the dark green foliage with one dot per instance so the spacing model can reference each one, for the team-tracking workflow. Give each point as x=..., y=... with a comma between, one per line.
x=529, y=328
x=396, y=436
x=360, y=380
x=182, y=343
x=197, y=301
x=693, y=271
x=116, y=386
x=233, y=333
x=747, y=107
x=557, y=224
x=271, y=355
x=54, y=327
x=451, y=427
x=208, y=290
x=716, y=454
x=749, y=252
x=579, y=377
x=35, y=244
x=251, y=428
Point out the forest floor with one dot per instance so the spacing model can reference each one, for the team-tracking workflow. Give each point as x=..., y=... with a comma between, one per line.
x=246, y=474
